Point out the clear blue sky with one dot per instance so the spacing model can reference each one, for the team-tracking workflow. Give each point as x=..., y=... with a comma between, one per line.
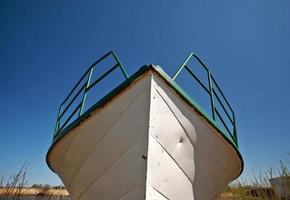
x=46, y=45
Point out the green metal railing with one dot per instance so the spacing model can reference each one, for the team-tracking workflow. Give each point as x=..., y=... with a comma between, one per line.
x=213, y=90
x=83, y=91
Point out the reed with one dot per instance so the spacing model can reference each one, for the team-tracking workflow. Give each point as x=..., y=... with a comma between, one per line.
x=16, y=188
x=12, y=189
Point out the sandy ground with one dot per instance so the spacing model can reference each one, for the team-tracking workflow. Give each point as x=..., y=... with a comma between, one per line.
x=27, y=191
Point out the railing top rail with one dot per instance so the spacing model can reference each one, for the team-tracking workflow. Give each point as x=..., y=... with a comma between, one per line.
x=192, y=54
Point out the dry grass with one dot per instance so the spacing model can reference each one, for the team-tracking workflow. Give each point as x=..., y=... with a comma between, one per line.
x=259, y=188
x=16, y=186
x=29, y=191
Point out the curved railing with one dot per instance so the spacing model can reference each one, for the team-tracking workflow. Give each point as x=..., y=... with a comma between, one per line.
x=83, y=91
x=213, y=90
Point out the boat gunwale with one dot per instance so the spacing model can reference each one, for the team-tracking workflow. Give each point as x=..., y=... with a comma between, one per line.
x=172, y=84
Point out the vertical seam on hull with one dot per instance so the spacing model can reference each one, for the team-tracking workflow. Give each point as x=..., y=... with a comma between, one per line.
x=150, y=135
x=148, y=132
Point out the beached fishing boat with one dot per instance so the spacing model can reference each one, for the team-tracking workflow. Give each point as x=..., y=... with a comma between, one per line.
x=146, y=139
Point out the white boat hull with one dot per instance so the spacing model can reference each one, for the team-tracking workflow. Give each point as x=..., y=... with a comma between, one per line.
x=145, y=143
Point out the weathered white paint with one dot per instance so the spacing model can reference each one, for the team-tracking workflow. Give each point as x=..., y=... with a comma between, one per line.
x=201, y=155
x=146, y=143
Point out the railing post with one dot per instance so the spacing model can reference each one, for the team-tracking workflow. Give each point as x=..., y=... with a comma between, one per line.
x=120, y=65
x=235, y=130
x=57, y=121
x=182, y=66
x=85, y=92
x=211, y=94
